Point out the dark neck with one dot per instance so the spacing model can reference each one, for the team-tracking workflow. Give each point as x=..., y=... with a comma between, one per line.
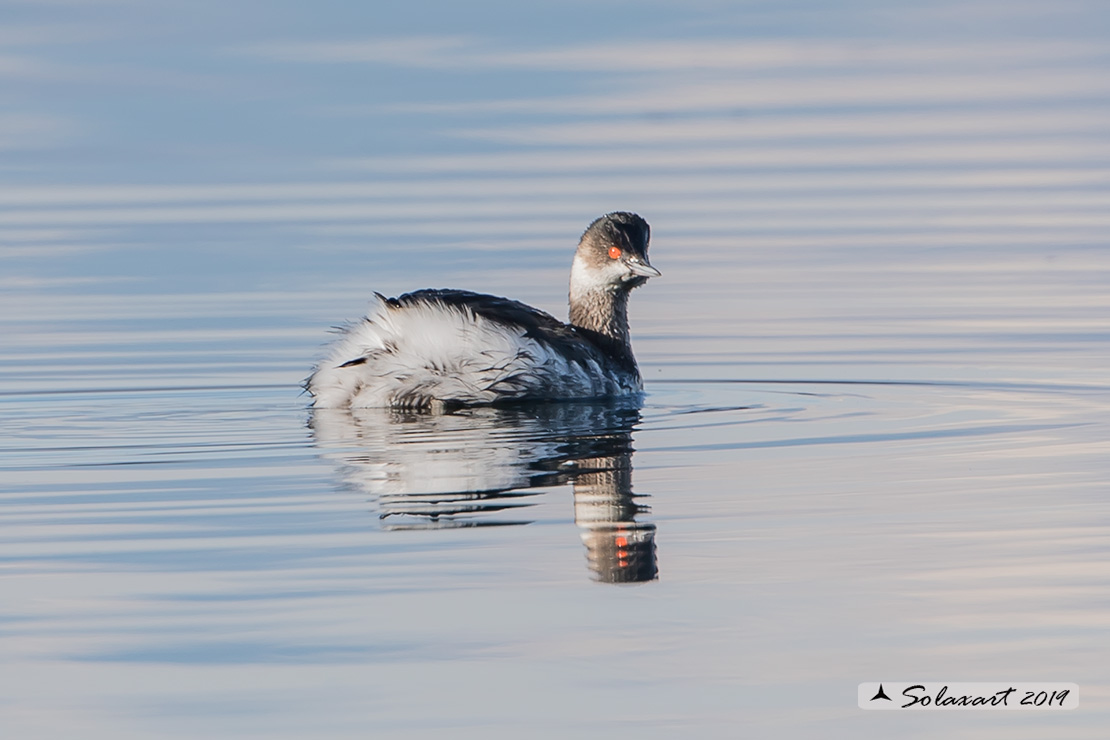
x=604, y=312
x=602, y=316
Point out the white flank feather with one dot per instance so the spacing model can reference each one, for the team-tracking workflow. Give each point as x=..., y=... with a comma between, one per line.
x=429, y=354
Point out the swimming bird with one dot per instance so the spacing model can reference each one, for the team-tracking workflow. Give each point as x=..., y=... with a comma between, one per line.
x=439, y=349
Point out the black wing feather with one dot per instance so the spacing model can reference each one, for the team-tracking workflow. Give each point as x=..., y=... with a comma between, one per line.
x=580, y=345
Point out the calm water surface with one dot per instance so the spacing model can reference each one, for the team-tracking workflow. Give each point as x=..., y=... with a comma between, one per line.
x=876, y=439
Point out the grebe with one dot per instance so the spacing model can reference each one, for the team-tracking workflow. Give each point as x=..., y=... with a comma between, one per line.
x=433, y=350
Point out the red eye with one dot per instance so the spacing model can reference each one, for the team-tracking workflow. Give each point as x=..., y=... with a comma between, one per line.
x=614, y=252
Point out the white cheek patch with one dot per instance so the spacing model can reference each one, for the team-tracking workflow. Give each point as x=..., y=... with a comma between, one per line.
x=586, y=279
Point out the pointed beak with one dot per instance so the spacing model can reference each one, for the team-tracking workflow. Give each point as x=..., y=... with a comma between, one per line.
x=642, y=268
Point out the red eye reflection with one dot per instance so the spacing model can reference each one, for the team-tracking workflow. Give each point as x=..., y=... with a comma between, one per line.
x=614, y=252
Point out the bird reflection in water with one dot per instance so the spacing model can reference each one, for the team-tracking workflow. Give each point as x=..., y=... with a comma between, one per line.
x=479, y=467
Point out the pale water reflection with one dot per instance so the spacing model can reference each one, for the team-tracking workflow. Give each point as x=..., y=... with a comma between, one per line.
x=475, y=468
